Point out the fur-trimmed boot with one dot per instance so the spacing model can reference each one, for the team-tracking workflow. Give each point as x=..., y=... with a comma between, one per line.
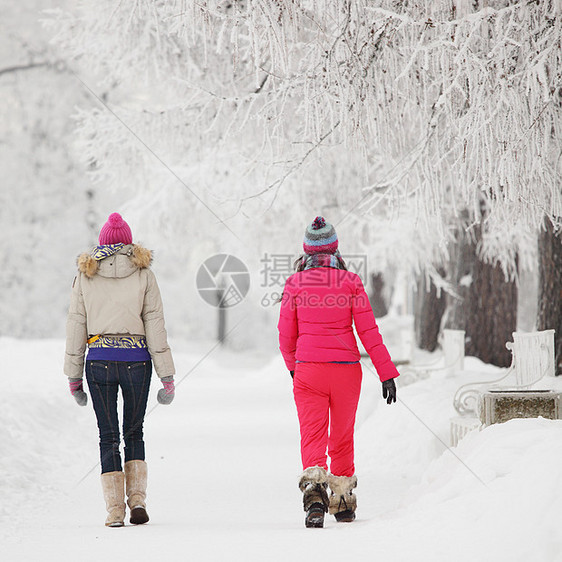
x=136, y=474
x=343, y=502
x=113, y=486
x=313, y=484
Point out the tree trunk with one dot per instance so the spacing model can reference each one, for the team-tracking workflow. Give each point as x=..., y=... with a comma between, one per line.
x=550, y=288
x=492, y=315
x=376, y=297
x=487, y=305
x=429, y=309
x=460, y=272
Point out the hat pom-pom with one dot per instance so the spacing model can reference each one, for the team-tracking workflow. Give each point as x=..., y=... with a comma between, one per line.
x=318, y=223
x=115, y=220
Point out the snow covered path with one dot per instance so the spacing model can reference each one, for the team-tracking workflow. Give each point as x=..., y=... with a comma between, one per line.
x=223, y=464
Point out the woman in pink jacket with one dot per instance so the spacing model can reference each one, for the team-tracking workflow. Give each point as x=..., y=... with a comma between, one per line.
x=319, y=305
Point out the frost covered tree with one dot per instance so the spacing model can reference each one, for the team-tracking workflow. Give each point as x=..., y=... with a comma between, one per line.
x=453, y=108
x=45, y=202
x=550, y=285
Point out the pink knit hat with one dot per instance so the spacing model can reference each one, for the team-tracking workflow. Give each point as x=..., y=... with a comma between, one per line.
x=115, y=230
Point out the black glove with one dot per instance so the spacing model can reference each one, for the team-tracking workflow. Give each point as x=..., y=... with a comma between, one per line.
x=389, y=391
x=292, y=374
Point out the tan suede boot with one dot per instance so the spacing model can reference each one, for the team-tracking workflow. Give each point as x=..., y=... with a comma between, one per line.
x=343, y=502
x=113, y=485
x=136, y=474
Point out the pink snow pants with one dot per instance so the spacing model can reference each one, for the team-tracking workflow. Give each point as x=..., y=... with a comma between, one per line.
x=326, y=395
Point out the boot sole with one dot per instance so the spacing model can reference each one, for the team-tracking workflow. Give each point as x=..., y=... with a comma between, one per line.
x=345, y=516
x=139, y=516
x=115, y=524
x=314, y=522
x=314, y=518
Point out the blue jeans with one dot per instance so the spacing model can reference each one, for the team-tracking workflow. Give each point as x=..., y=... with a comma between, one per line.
x=104, y=379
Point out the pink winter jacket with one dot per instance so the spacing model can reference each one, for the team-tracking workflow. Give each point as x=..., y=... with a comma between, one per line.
x=315, y=324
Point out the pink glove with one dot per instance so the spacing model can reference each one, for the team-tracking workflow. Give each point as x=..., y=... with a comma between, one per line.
x=166, y=394
x=77, y=390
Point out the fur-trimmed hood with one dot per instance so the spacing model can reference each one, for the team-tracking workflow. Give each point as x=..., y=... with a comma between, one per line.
x=121, y=263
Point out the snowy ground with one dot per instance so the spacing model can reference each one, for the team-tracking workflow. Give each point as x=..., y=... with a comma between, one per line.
x=223, y=465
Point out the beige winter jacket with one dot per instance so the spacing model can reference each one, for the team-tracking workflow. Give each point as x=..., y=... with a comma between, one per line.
x=117, y=295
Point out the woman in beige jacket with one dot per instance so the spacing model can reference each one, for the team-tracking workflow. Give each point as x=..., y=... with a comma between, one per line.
x=116, y=312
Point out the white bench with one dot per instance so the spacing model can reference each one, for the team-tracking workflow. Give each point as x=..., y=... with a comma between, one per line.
x=533, y=362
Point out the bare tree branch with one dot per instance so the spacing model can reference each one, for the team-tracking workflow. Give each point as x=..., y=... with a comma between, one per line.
x=280, y=181
x=21, y=67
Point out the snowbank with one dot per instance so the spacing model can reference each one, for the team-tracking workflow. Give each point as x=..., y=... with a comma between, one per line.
x=224, y=459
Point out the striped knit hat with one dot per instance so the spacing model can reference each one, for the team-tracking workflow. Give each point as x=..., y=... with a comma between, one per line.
x=115, y=230
x=320, y=237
